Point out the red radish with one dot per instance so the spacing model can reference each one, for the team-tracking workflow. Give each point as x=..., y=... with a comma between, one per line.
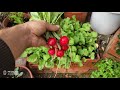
x=51, y=51
x=52, y=41
x=65, y=47
x=64, y=40
x=60, y=53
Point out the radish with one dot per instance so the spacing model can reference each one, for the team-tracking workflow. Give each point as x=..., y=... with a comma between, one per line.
x=64, y=40
x=51, y=51
x=52, y=41
x=60, y=53
x=65, y=47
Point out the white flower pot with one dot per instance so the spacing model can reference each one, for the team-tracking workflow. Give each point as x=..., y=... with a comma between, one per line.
x=105, y=23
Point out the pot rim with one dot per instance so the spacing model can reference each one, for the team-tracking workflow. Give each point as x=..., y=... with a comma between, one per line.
x=24, y=67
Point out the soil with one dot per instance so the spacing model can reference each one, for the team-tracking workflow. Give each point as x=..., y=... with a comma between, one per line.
x=103, y=41
x=62, y=75
x=10, y=24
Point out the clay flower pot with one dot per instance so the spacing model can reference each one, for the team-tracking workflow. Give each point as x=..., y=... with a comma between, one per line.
x=81, y=16
x=89, y=65
x=26, y=72
x=7, y=23
x=111, y=48
x=21, y=63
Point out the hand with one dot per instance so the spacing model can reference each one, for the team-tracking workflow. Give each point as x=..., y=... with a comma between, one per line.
x=29, y=34
x=38, y=28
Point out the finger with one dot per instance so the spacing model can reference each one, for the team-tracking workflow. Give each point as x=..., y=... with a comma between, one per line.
x=38, y=41
x=37, y=27
x=41, y=42
x=51, y=27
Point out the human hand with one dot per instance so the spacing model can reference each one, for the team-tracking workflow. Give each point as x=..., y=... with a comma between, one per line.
x=29, y=34
x=37, y=29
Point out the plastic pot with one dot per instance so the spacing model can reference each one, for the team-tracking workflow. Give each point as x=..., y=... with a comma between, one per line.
x=81, y=16
x=105, y=23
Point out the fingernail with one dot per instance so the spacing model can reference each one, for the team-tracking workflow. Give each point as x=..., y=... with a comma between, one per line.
x=58, y=26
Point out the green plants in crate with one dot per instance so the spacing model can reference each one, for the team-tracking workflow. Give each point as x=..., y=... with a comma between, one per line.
x=118, y=46
x=17, y=18
x=74, y=43
x=107, y=68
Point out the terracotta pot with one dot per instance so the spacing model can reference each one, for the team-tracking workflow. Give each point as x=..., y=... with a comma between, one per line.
x=111, y=48
x=6, y=21
x=89, y=65
x=25, y=69
x=81, y=16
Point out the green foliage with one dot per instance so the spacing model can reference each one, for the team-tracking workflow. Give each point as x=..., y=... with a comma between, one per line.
x=16, y=17
x=80, y=35
x=17, y=73
x=107, y=68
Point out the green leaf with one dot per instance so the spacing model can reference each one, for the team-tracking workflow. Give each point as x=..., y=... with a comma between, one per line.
x=71, y=27
x=41, y=64
x=80, y=63
x=34, y=16
x=67, y=64
x=71, y=41
x=92, y=55
x=65, y=27
x=81, y=39
x=74, y=18
x=73, y=48
x=77, y=26
x=46, y=57
x=49, y=64
x=76, y=39
x=94, y=34
x=90, y=49
x=32, y=58
x=86, y=25
x=85, y=52
x=80, y=52
x=19, y=75
x=76, y=59
x=24, y=54
x=84, y=59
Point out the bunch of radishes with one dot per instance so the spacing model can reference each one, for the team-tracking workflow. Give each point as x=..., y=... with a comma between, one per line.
x=57, y=49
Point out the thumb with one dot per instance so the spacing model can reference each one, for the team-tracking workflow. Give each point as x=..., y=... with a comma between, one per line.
x=51, y=27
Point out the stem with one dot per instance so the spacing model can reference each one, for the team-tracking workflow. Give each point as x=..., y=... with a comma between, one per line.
x=59, y=17
x=56, y=72
x=59, y=46
x=54, y=22
x=55, y=35
x=70, y=56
